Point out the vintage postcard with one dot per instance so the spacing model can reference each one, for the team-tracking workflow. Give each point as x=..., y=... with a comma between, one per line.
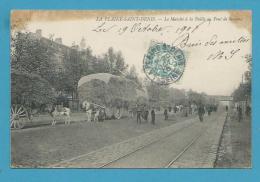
x=131, y=89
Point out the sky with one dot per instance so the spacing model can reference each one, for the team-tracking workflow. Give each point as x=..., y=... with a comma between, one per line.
x=214, y=76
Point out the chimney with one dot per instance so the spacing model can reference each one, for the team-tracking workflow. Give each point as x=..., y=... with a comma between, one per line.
x=38, y=33
x=58, y=40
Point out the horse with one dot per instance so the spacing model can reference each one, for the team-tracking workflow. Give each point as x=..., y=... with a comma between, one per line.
x=193, y=108
x=179, y=108
x=64, y=112
x=87, y=106
x=93, y=111
x=96, y=116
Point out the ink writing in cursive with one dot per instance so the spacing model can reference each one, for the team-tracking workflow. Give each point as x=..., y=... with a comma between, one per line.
x=103, y=27
x=134, y=28
x=227, y=55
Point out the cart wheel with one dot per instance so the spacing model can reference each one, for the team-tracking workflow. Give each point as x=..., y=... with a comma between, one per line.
x=19, y=116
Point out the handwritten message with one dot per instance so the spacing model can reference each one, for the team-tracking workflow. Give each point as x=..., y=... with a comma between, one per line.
x=185, y=32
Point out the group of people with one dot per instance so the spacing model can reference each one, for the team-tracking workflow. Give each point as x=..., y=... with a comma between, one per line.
x=206, y=109
x=142, y=111
x=237, y=112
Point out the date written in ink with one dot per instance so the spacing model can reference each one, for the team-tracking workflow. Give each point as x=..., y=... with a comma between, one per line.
x=220, y=55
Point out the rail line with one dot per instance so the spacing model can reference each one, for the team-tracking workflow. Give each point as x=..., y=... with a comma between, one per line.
x=175, y=158
x=168, y=165
x=186, y=148
x=142, y=147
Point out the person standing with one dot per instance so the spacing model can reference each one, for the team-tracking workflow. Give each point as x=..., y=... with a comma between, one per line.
x=175, y=109
x=248, y=110
x=226, y=108
x=138, y=114
x=146, y=114
x=239, y=113
x=209, y=110
x=201, y=112
x=186, y=111
x=153, y=116
x=165, y=114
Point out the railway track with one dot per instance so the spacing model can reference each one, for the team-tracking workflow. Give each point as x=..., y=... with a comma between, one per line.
x=152, y=143
x=194, y=140
x=73, y=161
x=114, y=156
x=185, y=149
x=178, y=157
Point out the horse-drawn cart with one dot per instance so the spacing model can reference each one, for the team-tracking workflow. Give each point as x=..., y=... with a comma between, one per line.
x=28, y=93
x=113, y=93
x=19, y=116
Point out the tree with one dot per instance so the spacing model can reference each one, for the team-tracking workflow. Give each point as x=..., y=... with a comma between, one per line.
x=243, y=92
x=159, y=95
x=248, y=75
x=131, y=74
x=115, y=63
x=74, y=70
x=30, y=89
x=30, y=55
x=176, y=96
x=195, y=97
x=32, y=74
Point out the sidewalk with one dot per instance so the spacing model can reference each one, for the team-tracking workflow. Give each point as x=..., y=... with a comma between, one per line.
x=235, y=148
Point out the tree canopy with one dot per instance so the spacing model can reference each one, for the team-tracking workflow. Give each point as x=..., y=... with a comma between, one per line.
x=243, y=92
x=39, y=56
x=30, y=89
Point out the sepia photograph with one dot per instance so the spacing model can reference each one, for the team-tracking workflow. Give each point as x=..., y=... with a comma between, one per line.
x=130, y=88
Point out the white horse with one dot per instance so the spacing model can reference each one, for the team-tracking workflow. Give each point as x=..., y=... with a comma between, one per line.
x=179, y=108
x=87, y=106
x=96, y=115
x=64, y=113
x=193, y=108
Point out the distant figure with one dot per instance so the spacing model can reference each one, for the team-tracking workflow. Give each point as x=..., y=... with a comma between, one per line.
x=138, y=114
x=146, y=113
x=201, y=112
x=186, y=110
x=215, y=108
x=175, y=109
x=165, y=114
x=190, y=109
x=102, y=115
x=239, y=110
x=153, y=116
x=248, y=110
x=226, y=108
x=209, y=110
